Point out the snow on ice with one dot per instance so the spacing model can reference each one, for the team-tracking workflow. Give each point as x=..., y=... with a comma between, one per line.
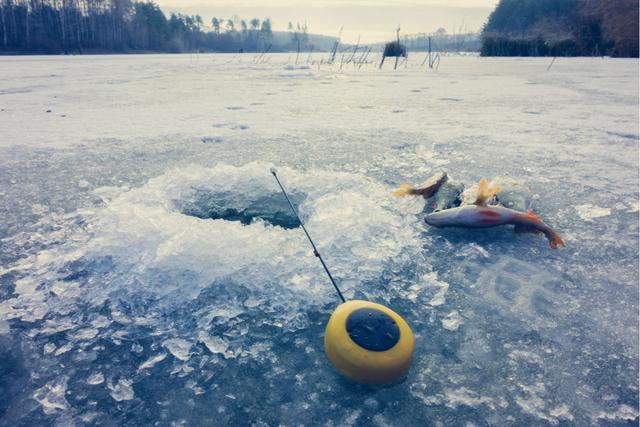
x=152, y=273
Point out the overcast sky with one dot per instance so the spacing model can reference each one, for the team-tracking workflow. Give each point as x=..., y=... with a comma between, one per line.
x=373, y=20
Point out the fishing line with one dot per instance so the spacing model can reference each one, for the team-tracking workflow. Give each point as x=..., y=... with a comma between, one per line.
x=366, y=342
x=315, y=250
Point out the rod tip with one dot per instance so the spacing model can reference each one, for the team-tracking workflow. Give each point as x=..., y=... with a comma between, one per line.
x=273, y=171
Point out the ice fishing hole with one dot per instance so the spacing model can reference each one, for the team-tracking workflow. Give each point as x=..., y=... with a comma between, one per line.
x=244, y=208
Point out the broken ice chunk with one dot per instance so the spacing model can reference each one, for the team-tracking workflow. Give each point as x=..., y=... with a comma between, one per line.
x=179, y=348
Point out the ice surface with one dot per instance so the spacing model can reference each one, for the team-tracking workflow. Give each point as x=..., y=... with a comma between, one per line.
x=51, y=396
x=95, y=379
x=179, y=348
x=589, y=211
x=121, y=390
x=151, y=362
x=152, y=273
x=452, y=321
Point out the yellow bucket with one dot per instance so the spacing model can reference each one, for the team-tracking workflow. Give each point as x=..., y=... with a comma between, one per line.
x=368, y=342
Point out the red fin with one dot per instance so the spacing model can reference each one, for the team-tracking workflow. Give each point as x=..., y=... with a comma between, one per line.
x=490, y=213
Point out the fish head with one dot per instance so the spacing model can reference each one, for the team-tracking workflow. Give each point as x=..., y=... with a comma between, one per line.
x=442, y=218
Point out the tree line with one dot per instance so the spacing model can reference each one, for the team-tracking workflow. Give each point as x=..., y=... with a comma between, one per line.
x=441, y=41
x=562, y=28
x=78, y=26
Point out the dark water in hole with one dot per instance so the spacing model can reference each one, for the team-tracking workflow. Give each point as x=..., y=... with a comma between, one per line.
x=272, y=208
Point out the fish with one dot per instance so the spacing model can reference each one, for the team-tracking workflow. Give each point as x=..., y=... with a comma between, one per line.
x=514, y=194
x=482, y=216
x=440, y=189
x=428, y=189
x=447, y=197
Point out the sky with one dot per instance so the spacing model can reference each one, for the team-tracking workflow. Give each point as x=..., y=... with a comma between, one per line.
x=371, y=20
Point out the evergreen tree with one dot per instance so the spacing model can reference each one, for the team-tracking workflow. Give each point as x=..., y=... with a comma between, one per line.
x=81, y=26
x=562, y=27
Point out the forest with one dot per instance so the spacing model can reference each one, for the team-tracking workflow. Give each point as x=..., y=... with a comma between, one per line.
x=441, y=41
x=103, y=26
x=514, y=28
x=562, y=28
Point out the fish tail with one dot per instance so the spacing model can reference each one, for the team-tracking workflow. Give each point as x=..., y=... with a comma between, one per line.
x=485, y=192
x=483, y=187
x=555, y=241
x=404, y=190
x=494, y=189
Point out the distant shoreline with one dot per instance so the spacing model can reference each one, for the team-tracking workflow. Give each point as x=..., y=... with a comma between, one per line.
x=302, y=52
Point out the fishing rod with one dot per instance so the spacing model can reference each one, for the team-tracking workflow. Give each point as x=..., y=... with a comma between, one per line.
x=315, y=250
x=364, y=341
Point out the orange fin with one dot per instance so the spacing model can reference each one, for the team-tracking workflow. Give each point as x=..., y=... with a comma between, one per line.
x=486, y=193
x=404, y=190
x=531, y=216
x=430, y=188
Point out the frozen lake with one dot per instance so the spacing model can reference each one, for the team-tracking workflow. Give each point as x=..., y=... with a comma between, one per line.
x=150, y=273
